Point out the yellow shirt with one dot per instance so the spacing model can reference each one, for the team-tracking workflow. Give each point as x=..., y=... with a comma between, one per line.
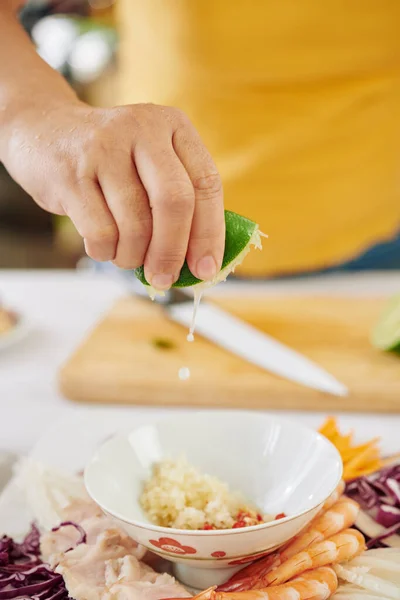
x=299, y=103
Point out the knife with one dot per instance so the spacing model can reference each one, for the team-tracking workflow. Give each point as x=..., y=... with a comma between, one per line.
x=246, y=341
x=238, y=337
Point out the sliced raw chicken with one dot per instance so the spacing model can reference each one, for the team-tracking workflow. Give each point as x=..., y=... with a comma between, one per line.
x=106, y=566
x=94, y=523
x=125, y=583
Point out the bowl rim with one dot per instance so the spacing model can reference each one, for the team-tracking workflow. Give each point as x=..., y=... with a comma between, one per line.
x=237, y=531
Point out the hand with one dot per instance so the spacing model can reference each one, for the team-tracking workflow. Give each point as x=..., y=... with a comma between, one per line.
x=136, y=181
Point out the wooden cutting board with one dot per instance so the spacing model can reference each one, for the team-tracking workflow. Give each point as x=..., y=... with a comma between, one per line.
x=133, y=357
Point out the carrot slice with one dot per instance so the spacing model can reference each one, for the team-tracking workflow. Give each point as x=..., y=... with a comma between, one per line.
x=357, y=460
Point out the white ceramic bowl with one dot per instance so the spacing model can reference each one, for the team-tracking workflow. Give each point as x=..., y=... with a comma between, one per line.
x=277, y=464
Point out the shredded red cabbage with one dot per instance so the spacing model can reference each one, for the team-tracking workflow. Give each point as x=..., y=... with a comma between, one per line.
x=23, y=576
x=82, y=532
x=379, y=496
x=388, y=515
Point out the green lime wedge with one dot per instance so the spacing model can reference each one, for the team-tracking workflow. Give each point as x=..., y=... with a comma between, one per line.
x=386, y=334
x=241, y=234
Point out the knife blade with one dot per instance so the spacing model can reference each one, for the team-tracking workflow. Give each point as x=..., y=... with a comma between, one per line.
x=254, y=346
x=240, y=338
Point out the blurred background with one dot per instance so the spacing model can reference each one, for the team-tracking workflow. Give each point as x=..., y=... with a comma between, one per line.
x=303, y=120
x=79, y=39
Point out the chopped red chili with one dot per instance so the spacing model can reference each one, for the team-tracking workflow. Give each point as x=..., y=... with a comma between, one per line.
x=280, y=516
x=238, y=524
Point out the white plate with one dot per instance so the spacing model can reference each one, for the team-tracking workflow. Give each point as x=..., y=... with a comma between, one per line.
x=15, y=334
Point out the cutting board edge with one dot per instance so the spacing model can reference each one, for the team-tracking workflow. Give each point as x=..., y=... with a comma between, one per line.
x=303, y=399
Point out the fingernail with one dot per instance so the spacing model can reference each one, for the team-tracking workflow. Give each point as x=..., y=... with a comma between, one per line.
x=206, y=268
x=162, y=281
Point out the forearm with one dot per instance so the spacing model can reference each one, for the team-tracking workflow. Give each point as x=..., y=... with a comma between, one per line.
x=26, y=81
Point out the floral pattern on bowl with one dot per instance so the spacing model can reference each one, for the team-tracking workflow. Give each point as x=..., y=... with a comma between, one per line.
x=218, y=554
x=172, y=546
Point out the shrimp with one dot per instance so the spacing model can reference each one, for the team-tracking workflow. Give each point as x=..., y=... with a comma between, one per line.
x=317, y=584
x=340, y=516
x=241, y=579
x=339, y=548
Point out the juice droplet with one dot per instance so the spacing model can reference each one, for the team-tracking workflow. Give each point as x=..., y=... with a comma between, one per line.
x=198, y=292
x=184, y=373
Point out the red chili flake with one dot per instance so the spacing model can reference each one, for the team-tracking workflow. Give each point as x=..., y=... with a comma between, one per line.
x=238, y=524
x=259, y=518
x=280, y=516
x=208, y=527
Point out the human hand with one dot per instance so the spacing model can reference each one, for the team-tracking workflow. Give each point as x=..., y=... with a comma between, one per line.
x=137, y=182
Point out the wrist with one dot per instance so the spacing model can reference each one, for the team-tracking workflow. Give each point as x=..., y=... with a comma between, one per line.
x=23, y=111
x=29, y=87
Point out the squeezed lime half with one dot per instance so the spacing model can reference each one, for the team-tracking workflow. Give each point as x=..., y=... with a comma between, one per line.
x=241, y=235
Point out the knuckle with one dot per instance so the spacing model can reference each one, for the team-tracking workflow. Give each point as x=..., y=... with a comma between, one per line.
x=179, y=115
x=119, y=117
x=149, y=106
x=138, y=115
x=208, y=185
x=178, y=200
x=91, y=141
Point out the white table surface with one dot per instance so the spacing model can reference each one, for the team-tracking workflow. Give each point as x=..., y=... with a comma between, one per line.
x=61, y=306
